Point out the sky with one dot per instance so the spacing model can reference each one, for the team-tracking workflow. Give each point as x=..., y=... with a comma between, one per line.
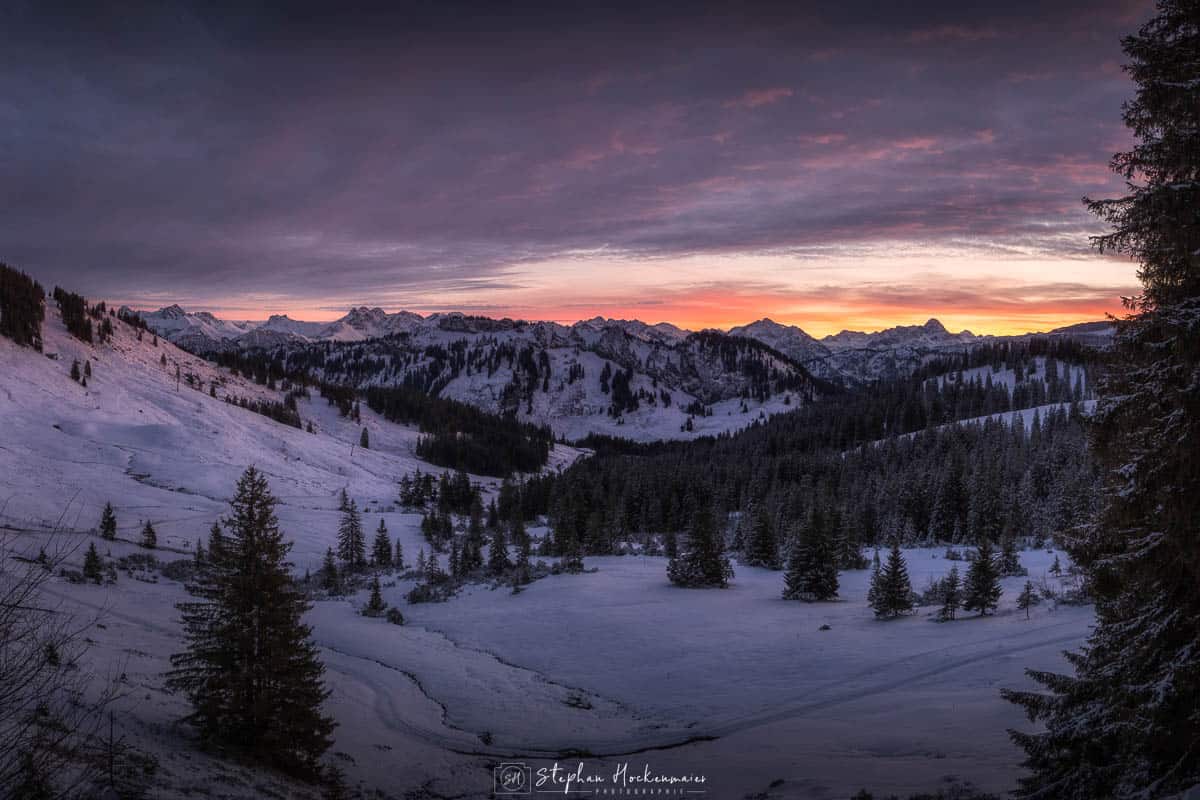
x=831, y=165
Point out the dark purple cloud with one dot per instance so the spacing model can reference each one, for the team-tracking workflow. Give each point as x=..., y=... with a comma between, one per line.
x=305, y=151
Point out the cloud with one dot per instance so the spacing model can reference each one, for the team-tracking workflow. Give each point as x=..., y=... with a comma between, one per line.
x=753, y=98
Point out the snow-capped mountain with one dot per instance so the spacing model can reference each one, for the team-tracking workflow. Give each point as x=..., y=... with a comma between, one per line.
x=792, y=342
x=178, y=326
x=682, y=383
x=853, y=357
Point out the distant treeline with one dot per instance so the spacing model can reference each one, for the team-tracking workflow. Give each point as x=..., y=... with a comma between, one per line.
x=459, y=436
x=462, y=437
x=22, y=307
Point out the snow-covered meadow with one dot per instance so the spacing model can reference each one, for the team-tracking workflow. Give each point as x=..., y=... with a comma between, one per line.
x=613, y=665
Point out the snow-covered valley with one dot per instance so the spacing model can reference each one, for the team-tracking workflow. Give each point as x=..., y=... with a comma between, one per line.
x=607, y=667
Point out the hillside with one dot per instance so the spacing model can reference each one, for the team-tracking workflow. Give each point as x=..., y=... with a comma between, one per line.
x=625, y=379
x=683, y=384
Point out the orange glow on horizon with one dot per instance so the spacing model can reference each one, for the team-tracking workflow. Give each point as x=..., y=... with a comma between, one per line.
x=727, y=312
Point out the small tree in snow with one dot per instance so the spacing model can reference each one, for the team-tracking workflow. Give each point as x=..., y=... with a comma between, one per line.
x=382, y=546
x=1027, y=599
x=92, y=568
x=352, y=546
x=952, y=595
x=149, y=536
x=983, y=581
x=891, y=591
x=703, y=564
x=375, y=605
x=108, y=523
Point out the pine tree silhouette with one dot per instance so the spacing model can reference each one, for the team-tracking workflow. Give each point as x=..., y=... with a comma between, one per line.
x=250, y=670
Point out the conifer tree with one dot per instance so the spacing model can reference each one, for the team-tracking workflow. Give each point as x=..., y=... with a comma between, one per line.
x=382, y=549
x=1027, y=599
x=572, y=554
x=149, y=536
x=352, y=546
x=92, y=568
x=1056, y=567
x=364, y=441
x=797, y=568
x=951, y=595
x=108, y=523
x=375, y=605
x=1010, y=562
x=812, y=570
x=703, y=564
x=472, y=552
x=891, y=591
x=670, y=545
x=1125, y=724
x=762, y=550
x=422, y=564
x=330, y=580
x=498, y=562
x=456, y=570
x=75, y=370
x=398, y=558
x=982, y=590
x=249, y=669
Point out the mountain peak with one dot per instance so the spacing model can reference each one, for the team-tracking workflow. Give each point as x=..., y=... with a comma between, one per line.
x=935, y=326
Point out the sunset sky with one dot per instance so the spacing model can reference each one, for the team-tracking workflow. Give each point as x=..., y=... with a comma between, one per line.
x=831, y=165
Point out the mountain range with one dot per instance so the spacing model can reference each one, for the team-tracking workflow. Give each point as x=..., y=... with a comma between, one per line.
x=847, y=357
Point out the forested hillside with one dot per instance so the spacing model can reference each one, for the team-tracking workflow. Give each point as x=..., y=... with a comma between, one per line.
x=883, y=464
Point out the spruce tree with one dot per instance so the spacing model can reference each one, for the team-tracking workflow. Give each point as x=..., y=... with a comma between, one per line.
x=1010, y=562
x=92, y=568
x=891, y=591
x=472, y=552
x=352, y=546
x=375, y=605
x=382, y=549
x=330, y=580
x=108, y=523
x=951, y=595
x=982, y=590
x=1027, y=599
x=1056, y=567
x=250, y=670
x=398, y=558
x=762, y=550
x=364, y=441
x=794, y=580
x=812, y=570
x=149, y=536
x=704, y=563
x=498, y=562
